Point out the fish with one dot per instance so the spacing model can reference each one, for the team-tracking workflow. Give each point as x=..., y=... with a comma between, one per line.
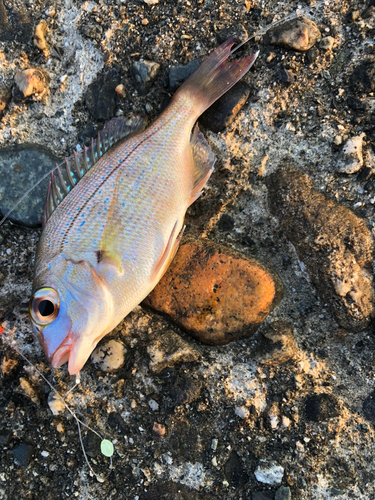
x=114, y=215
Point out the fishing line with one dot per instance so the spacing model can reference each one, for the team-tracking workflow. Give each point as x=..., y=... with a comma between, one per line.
x=106, y=445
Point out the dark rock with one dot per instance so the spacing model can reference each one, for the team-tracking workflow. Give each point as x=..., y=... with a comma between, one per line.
x=185, y=390
x=15, y=23
x=319, y=407
x=5, y=98
x=174, y=491
x=144, y=73
x=23, y=454
x=178, y=74
x=93, y=31
x=101, y=95
x=22, y=166
x=297, y=34
x=234, y=471
x=223, y=112
x=301, y=483
x=356, y=104
x=216, y=294
x=286, y=76
x=226, y=223
x=311, y=55
x=368, y=407
x=337, y=492
x=283, y=493
x=363, y=77
x=5, y=436
x=262, y=495
x=364, y=174
x=334, y=244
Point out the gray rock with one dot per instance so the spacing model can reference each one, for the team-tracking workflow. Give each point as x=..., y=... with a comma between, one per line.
x=335, y=245
x=22, y=166
x=23, y=454
x=178, y=74
x=144, y=73
x=297, y=34
x=283, y=493
x=351, y=158
x=269, y=472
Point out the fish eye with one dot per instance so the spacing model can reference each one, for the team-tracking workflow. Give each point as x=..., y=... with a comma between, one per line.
x=44, y=306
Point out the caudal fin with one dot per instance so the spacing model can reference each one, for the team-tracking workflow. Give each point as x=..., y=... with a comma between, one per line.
x=215, y=76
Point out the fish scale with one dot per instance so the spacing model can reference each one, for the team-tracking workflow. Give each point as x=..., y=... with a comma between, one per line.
x=109, y=236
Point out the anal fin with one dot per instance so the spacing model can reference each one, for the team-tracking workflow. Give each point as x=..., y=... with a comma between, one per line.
x=204, y=160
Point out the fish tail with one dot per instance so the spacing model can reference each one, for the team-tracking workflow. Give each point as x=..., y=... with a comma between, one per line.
x=214, y=77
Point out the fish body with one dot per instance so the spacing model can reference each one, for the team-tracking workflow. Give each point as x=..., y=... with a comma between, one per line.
x=107, y=240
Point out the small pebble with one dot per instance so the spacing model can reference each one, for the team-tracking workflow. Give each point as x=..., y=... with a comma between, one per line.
x=109, y=356
x=269, y=472
x=151, y=2
x=144, y=22
x=283, y=493
x=23, y=454
x=39, y=35
x=178, y=74
x=28, y=390
x=56, y=404
x=327, y=43
x=31, y=81
x=153, y=405
x=351, y=159
x=159, y=429
x=144, y=74
x=241, y=411
x=297, y=34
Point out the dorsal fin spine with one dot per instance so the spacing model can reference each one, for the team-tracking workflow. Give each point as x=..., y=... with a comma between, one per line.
x=63, y=184
x=69, y=172
x=76, y=164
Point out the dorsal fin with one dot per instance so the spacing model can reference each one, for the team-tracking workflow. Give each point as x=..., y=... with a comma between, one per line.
x=72, y=169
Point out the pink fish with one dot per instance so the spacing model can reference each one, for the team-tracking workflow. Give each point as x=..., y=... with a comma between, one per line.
x=114, y=216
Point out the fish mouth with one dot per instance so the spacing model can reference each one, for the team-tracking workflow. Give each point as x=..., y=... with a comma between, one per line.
x=61, y=356
x=72, y=353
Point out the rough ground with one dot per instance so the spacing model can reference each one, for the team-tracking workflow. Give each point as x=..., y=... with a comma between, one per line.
x=300, y=392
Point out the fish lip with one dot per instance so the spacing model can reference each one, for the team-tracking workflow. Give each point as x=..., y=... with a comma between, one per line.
x=58, y=358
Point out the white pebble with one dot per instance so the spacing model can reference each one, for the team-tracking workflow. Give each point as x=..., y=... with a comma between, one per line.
x=269, y=472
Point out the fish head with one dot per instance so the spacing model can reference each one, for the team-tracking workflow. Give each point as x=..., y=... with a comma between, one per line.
x=69, y=309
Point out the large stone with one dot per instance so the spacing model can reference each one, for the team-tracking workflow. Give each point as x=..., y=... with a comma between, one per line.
x=22, y=166
x=216, y=294
x=297, y=34
x=334, y=244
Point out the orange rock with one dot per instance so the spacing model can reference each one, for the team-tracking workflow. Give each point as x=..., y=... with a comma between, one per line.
x=216, y=294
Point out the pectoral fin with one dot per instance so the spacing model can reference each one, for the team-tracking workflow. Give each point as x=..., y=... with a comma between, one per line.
x=204, y=160
x=168, y=254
